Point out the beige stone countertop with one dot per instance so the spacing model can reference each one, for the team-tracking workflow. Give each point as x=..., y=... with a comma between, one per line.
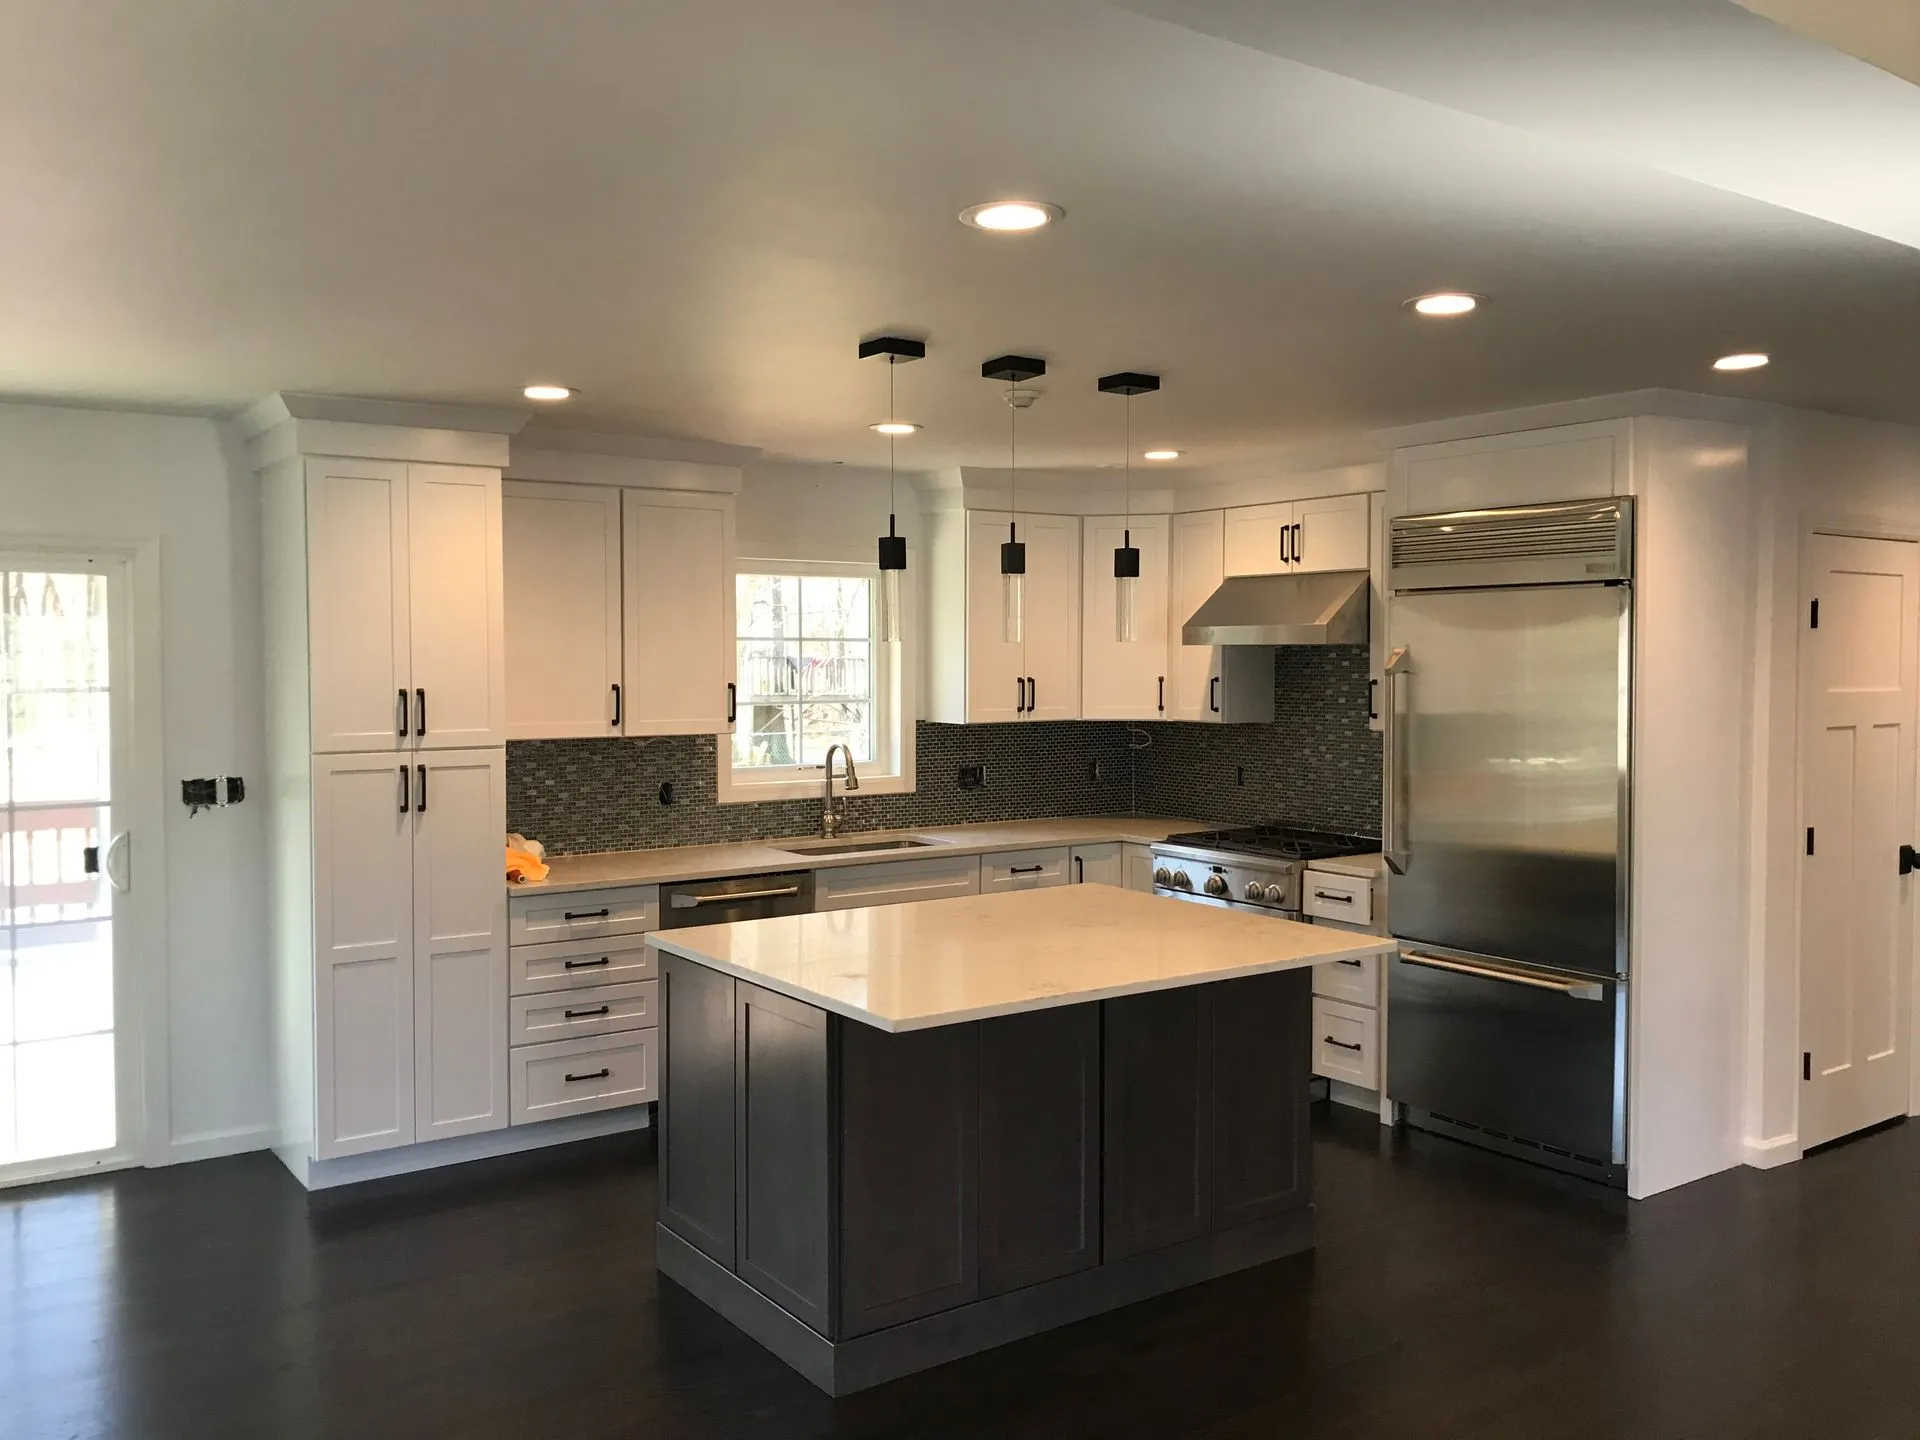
x=672, y=864
x=929, y=963
x=1366, y=867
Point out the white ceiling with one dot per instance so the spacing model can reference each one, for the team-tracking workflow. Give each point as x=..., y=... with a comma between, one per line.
x=693, y=211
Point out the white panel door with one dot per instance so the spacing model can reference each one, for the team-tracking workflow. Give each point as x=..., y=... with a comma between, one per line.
x=363, y=952
x=1100, y=865
x=357, y=605
x=1053, y=616
x=1858, y=687
x=1331, y=533
x=1124, y=680
x=1138, y=860
x=1259, y=539
x=460, y=943
x=1197, y=567
x=677, y=571
x=456, y=606
x=996, y=688
x=561, y=548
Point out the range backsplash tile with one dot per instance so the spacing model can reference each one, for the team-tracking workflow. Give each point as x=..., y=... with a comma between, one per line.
x=577, y=796
x=1317, y=765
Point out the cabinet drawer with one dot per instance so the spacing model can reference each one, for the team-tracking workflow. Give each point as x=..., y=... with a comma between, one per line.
x=582, y=915
x=1346, y=898
x=569, y=1014
x=572, y=1077
x=1355, y=981
x=576, y=964
x=1346, y=1043
x=849, y=887
x=1023, y=870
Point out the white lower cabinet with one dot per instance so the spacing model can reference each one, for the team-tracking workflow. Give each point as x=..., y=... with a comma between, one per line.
x=1100, y=865
x=574, y=1077
x=1346, y=1042
x=1349, y=996
x=410, y=948
x=1024, y=870
x=571, y=1014
x=852, y=887
x=1139, y=868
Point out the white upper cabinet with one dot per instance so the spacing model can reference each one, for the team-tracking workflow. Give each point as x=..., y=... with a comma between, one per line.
x=1526, y=467
x=563, y=586
x=1210, y=683
x=1330, y=533
x=456, y=606
x=974, y=675
x=1124, y=680
x=404, y=605
x=677, y=579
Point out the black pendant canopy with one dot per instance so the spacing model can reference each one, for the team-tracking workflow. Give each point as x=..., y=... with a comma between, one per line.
x=1129, y=382
x=897, y=348
x=1014, y=369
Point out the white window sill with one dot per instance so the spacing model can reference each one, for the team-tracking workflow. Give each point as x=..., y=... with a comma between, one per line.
x=732, y=791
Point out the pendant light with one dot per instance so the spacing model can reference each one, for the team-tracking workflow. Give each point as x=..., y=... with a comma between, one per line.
x=1126, y=555
x=1015, y=370
x=898, y=350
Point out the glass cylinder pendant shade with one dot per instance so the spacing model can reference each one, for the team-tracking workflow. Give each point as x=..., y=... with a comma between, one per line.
x=1126, y=587
x=893, y=565
x=1013, y=589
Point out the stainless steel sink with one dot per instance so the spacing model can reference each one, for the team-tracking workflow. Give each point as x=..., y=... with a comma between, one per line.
x=856, y=847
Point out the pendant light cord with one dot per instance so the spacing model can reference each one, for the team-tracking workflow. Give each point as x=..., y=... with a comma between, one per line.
x=892, y=418
x=1013, y=463
x=1127, y=481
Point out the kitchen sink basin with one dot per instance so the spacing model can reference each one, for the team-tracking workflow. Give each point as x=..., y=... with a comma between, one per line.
x=856, y=847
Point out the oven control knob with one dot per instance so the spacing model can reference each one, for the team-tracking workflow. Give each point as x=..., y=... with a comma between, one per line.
x=1256, y=892
x=1163, y=876
x=1182, y=881
x=1217, y=885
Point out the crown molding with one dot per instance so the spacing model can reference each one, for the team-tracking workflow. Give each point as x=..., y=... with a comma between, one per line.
x=285, y=405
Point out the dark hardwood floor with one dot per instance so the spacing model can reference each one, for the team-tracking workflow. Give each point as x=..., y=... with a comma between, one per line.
x=1452, y=1295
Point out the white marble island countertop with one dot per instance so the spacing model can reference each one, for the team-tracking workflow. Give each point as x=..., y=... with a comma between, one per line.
x=943, y=962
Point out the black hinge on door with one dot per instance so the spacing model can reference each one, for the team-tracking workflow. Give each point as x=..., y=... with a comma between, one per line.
x=1809, y=839
x=1813, y=620
x=1806, y=1065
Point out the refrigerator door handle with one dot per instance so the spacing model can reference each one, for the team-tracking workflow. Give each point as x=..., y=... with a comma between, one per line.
x=1572, y=989
x=1394, y=819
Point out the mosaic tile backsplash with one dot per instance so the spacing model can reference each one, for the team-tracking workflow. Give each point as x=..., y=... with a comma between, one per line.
x=1317, y=765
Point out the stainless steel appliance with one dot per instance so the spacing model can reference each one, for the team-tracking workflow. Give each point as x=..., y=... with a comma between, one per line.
x=738, y=897
x=1508, y=700
x=1253, y=867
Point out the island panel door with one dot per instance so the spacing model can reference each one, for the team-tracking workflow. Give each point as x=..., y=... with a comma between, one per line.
x=1158, y=1120
x=1262, y=1041
x=696, y=1108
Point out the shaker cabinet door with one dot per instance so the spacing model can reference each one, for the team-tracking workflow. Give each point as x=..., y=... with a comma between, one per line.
x=357, y=557
x=455, y=606
x=677, y=579
x=562, y=565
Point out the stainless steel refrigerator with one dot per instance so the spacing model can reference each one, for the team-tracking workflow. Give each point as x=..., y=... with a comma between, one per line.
x=1508, y=699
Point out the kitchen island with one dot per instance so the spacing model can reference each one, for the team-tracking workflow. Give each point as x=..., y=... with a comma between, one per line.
x=891, y=1137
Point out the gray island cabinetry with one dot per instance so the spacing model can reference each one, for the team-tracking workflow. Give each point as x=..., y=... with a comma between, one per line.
x=889, y=1138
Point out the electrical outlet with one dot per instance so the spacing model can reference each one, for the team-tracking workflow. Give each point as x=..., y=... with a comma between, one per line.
x=666, y=793
x=972, y=777
x=1097, y=770
x=1239, y=774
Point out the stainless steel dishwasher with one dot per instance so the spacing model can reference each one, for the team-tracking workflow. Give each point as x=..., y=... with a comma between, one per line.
x=737, y=897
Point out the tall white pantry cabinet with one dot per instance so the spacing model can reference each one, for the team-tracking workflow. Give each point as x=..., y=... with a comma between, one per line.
x=385, y=642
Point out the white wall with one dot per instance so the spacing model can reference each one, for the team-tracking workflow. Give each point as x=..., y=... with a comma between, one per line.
x=821, y=512
x=107, y=476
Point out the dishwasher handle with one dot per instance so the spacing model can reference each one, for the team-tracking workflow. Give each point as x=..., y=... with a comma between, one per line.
x=732, y=897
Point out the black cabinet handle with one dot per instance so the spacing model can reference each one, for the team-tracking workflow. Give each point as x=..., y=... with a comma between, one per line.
x=600, y=1074
x=403, y=714
x=589, y=964
x=597, y=1010
x=404, y=806
x=1340, y=1044
x=420, y=700
x=1163, y=694
x=1286, y=534
x=1026, y=869
x=1297, y=556
x=1080, y=869
x=1356, y=964
x=1373, y=706
x=600, y=914
x=1338, y=899
x=1213, y=695
x=1033, y=695
x=733, y=702
x=615, y=722
x=423, y=790
x=1020, y=695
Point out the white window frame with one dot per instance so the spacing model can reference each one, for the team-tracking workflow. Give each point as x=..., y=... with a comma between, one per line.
x=894, y=692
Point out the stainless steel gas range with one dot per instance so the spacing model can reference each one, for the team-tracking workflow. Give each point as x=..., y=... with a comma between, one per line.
x=1255, y=867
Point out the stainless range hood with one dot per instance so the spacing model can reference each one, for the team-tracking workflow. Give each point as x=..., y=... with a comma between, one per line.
x=1329, y=608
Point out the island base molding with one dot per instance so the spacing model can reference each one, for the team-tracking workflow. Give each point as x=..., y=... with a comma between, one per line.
x=867, y=1360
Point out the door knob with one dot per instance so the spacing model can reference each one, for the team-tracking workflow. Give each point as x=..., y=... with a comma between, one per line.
x=1909, y=859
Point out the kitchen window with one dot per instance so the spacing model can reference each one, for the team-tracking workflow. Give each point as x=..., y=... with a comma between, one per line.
x=812, y=675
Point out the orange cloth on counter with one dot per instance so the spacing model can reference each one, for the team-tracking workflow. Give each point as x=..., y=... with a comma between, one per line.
x=524, y=868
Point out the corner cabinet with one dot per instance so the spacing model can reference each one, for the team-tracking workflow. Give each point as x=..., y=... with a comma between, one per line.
x=1124, y=679
x=976, y=676
x=1213, y=684
x=405, y=605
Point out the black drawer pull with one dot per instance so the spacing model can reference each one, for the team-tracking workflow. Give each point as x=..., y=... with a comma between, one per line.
x=587, y=914
x=1342, y=1044
x=1026, y=870
x=597, y=1010
x=1333, y=895
x=1356, y=964
x=602, y=1073
x=589, y=964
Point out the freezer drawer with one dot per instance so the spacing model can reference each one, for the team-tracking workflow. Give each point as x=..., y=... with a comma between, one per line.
x=1533, y=1062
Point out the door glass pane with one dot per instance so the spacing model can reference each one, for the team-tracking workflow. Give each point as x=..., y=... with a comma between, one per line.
x=57, y=1089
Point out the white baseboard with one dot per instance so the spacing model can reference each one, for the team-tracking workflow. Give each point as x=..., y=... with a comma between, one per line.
x=409, y=1159
x=1766, y=1154
x=213, y=1144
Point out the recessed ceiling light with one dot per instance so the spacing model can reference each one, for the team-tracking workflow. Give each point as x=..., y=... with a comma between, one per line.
x=1011, y=216
x=894, y=427
x=1161, y=455
x=549, y=392
x=1444, y=304
x=1752, y=360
